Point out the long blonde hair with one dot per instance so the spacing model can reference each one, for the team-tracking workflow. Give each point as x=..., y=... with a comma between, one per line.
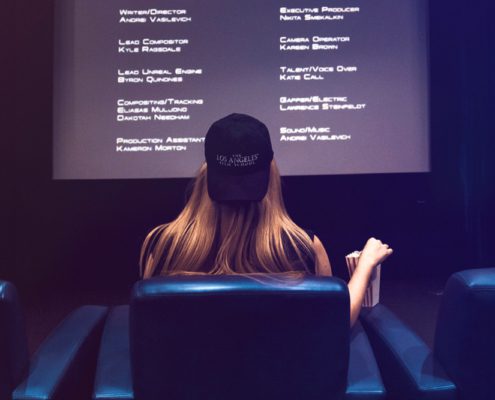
x=250, y=237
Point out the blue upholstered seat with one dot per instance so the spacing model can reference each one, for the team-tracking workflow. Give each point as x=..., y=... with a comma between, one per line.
x=462, y=364
x=63, y=366
x=465, y=334
x=236, y=337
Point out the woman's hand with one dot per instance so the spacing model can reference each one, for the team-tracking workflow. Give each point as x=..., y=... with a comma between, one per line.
x=374, y=253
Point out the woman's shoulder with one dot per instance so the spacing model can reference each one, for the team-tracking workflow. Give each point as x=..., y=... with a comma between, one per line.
x=321, y=263
x=310, y=233
x=303, y=248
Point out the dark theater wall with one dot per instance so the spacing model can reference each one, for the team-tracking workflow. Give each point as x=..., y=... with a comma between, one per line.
x=462, y=64
x=87, y=234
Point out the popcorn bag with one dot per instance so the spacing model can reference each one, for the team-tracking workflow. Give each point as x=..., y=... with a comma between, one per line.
x=372, y=294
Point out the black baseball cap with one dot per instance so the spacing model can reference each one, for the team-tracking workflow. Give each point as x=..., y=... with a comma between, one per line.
x=238, y=154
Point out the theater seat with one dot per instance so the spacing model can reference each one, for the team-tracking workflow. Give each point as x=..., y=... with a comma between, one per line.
x=236, y=337
x=462, y=364
x=465, y=333
x=63, y=366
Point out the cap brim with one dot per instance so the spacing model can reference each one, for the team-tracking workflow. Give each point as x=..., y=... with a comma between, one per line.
x=246, y=187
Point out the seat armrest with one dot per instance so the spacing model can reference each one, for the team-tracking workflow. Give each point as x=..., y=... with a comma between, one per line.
x=63, y=367
x=363, y=380
x=407, y=364
x=113, y=379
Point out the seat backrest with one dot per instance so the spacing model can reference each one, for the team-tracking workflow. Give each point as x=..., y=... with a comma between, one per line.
x=465, y=333
x=14, y=356
x=238, y=337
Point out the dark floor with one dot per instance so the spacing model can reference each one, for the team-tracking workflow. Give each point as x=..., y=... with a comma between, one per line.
x=416, y=303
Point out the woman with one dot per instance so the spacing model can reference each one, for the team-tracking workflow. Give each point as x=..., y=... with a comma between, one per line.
x=235, y=220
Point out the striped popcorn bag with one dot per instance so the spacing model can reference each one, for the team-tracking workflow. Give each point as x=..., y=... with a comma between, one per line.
x=372, y=294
